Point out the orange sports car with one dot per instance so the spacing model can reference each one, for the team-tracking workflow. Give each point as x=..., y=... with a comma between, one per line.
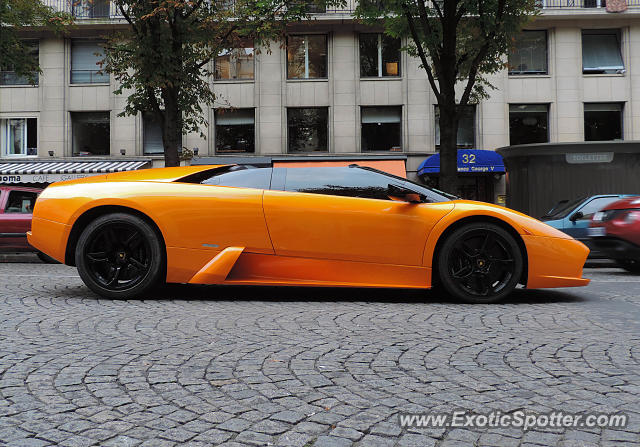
x=319, y=226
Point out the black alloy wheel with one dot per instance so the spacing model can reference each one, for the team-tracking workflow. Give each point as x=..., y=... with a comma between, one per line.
x=119, y=256
x=480, y=263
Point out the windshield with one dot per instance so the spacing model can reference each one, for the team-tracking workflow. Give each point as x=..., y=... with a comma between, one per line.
x=434, y=194
x=563, y=208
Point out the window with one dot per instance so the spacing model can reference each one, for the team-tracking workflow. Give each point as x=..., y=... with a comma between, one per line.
x=8, y=75
x=240, y=177
x=236, y=63
x=90, y=133
x=307, y=129
x=602, y=121
x=85, y=55
x=90, y=9
x=595, y=3
x=528, y=123
x=601, y=51
x=350, y=182
x=235, y=130
x=381, y=128
x=152, y=135
x=21, y=202
x=379, y=56
x=19, y=136
x=307, y=56
x=466, y=127
x=528, y=56
x=596, y=205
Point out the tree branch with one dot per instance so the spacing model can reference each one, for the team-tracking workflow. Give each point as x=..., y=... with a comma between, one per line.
x=423, y=56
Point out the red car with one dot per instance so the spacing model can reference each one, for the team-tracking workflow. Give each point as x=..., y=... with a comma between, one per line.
x=615, y=231
x=16, y=206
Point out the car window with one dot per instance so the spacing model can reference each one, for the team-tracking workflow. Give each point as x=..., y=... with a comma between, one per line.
x=20, y=202
x=596, y=205
x=339, y=181
x=240, y=177
x=563, y=208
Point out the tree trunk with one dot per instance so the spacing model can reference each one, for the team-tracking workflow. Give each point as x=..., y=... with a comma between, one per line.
x=171, y=128
x=448, y=148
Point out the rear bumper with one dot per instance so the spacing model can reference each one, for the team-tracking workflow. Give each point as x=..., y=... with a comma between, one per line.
x=616, y=248
x=555, y=262
x=49, y=237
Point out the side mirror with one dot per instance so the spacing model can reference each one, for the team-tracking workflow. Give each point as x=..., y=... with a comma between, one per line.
x=401, y=194
x=575, y=216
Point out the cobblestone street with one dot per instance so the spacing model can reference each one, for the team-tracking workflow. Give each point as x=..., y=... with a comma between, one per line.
x=203, y=366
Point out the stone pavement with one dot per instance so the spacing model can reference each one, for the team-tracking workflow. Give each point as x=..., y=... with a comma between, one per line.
x=202, y=366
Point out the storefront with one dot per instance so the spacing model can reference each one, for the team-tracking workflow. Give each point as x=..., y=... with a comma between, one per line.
x=479, y=171
x=540, y=175
x=41, y=173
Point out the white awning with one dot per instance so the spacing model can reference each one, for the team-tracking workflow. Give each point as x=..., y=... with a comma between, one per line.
x=55, y=171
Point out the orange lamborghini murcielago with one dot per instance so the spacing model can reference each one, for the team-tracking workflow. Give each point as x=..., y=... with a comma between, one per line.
x=319, y=226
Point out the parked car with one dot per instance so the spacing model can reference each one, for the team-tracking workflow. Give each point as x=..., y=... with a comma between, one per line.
x=311, y=226
x=574, y=216
x=16, y=208
x=615, y=231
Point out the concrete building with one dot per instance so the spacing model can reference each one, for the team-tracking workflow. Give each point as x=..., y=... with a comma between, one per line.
x=341, y=88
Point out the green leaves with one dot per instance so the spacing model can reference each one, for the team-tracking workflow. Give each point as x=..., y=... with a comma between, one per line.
x=16, y=54
x=164, y=62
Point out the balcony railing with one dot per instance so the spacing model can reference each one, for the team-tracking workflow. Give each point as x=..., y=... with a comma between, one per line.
x=105, y=9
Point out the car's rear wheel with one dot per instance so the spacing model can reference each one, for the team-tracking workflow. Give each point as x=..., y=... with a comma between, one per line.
x=630, y=265
x=480, y=263
x=119, y=255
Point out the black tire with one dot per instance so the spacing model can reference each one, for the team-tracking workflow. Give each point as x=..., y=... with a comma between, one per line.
x=120, y=256
x=630, y=265
x=480, y=263
x=46, y=258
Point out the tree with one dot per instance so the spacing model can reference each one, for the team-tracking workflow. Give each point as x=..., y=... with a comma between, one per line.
x=15, y=52
x=459, y=43
x=164, y=59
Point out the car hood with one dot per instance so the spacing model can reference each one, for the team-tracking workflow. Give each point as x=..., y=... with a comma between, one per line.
x=523, y=224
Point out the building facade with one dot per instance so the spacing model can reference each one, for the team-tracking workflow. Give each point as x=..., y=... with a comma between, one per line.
x=337, y=87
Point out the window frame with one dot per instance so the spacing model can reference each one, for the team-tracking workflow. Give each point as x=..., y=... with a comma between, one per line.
x=216, y=79
x=288, y=134
x=618, y=32
x=436, y=133
x=548, y=113
x=511, y=73
x=5, y=132
x=380, y=74
x=400, y=124
x=92, y=112
x=215, y=130
x=97, y=41
x=621, y=104
x=23, y=81
x=306, y=57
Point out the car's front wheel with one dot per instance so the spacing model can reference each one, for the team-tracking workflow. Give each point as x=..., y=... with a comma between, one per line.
x=480, y=263
x=119, y=256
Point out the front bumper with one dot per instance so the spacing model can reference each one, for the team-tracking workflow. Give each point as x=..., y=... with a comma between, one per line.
x=555, y=262
x=616, y=248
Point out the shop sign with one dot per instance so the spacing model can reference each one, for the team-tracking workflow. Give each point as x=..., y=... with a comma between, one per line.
x=43, y=178
x=589, y=157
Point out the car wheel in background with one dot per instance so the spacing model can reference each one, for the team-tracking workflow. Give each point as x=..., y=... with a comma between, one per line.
x=120, y=255
x=480, y=263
